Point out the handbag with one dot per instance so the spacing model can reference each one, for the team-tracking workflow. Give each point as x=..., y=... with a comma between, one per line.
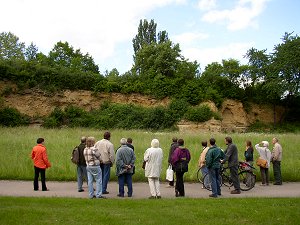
x=144, y=164
x=169, y=173
x=262, y=162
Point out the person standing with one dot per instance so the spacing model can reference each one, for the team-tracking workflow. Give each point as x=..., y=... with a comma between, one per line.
x=276, y=160
x=153, y=157
x=106, y=149
x=265, y=154
x=231, y=155
x=81, y=166
x=213, y=159
x=125, y=159
x=180, y=160
x=92, y=158
x=201, y=161
x=174, y=145
x=41, y=163
x=249, y=153
x=130, y=145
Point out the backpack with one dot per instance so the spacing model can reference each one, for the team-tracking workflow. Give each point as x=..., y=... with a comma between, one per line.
x=183, y=164
x=75, y=155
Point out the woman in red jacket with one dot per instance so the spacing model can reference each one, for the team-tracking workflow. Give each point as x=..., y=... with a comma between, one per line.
x=41, y=163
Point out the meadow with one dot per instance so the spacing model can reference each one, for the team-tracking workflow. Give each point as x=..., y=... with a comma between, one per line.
x=233, y=211
x=16, y=145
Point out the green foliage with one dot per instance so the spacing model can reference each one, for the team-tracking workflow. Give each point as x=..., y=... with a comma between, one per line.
x=11, y=117
x=199, y=114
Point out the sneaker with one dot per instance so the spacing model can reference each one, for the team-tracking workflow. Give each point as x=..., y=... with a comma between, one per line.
x=121, y=196
x=80, y=190
x=235, y=192
x=158, y=197
x=213, y=196
x=152, y=197
x=46, y=189
x=105, y=192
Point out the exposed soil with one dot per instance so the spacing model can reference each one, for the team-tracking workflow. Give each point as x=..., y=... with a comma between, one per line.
x=36, y=103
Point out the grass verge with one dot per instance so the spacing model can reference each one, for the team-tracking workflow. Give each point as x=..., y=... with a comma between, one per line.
x=24, y=210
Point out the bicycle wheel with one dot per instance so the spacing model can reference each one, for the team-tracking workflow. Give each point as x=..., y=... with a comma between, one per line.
x=200, y=177
x=226, y=180
x=207, y=182
x=247, y=180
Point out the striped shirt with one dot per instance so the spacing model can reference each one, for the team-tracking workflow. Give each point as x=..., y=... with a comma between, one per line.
x=92, y=156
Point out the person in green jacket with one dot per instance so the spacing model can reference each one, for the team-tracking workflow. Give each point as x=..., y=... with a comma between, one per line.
x=213, y=157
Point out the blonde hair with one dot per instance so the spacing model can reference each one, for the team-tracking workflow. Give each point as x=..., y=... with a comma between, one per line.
x=90, y=141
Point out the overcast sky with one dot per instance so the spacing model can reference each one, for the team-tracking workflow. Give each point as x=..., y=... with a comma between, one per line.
x=206, y=30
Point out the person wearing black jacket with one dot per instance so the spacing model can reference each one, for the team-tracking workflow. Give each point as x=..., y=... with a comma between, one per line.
x=81, y=166
x=174, y=145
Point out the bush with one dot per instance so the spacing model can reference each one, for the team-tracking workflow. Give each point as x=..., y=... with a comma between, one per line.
x=199, y=114
x=11, y=117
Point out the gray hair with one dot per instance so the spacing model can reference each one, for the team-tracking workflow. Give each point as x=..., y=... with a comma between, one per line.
x=83, y=139
x=123, y=141
x=154, y=143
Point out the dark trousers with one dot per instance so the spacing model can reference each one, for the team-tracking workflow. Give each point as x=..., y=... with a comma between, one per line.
x=277, y=172
x=179, y=188
x=235, y=177
x=125, y=178
x=37, y=172
x=264, y=173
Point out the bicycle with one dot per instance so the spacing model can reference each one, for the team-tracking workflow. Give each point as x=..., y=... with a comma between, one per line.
x=246, y=176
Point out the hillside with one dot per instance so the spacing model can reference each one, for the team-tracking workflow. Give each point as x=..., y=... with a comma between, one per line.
x=36, y=103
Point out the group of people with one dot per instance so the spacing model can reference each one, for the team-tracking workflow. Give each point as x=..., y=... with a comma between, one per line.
x=97, y=158
x=212, y=157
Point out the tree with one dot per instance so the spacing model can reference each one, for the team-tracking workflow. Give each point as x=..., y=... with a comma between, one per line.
x=10, y=46
x=286, y=63
x=31, y=52
x=64, y=55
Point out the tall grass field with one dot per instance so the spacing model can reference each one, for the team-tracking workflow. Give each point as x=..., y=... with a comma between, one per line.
x=16, y=145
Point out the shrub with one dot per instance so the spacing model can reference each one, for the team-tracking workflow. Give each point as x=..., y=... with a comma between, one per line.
x=199, y=114
x=11, y=117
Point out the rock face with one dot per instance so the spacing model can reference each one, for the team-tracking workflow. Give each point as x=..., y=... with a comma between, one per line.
x=235, y=118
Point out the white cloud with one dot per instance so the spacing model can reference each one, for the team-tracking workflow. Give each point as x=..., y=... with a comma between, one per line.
x=94, y=26
x=206, y=56
x=243, y=15
x=207, y=4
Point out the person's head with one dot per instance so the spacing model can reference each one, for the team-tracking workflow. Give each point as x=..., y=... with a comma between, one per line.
x=212, y=141
x=265, y=144
x=180, y=142
x=123, y=141
x=129, y=140
x=274, y=140
x=90, y=142
x=83, y=140
x=228, y=140
x=106, y=135
x=204, y=143
x=154, y=143
x=174, y=139
x=40, y=140
x=248, y=143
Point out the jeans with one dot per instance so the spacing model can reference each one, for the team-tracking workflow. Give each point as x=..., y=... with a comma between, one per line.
x=125, y=177
x=214, y=175
x=264, y=173
x=204, y=171
x=277, y=172
x=235, y=177
x=37, y=172
x=94, y=173
x=81, y=173
x=105, y=176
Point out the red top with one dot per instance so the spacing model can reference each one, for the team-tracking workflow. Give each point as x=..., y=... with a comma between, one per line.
x=39, y=156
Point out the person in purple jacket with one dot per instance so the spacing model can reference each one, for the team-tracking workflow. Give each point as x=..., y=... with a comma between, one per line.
x=180, y=160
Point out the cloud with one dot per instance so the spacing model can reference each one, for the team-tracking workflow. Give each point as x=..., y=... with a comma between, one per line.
x=207, y=4
x=205, y=56
x=243, y=15
x=95, y=26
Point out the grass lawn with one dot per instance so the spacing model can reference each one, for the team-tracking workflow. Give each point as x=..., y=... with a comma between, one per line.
x=24, y=210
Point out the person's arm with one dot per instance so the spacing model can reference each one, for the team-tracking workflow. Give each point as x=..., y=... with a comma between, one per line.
x=111, y=153
x=45, y=158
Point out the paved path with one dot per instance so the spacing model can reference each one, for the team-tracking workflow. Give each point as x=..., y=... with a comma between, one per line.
x=141, y=190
